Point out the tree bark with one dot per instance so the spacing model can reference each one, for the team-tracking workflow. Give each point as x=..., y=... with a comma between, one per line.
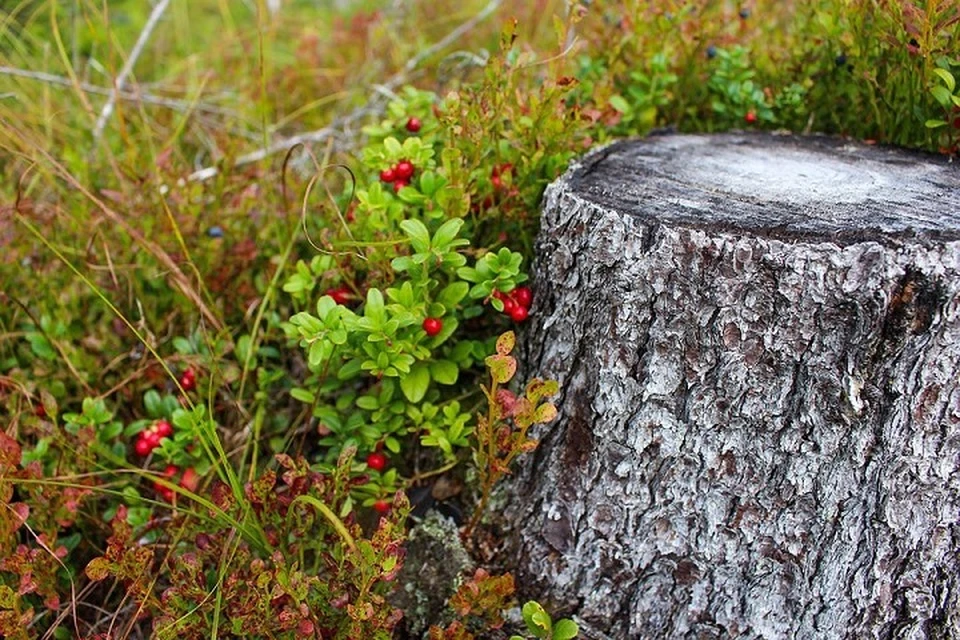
x=757, y=339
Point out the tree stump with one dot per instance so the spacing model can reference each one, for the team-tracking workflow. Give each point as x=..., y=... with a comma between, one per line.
x=758, y=346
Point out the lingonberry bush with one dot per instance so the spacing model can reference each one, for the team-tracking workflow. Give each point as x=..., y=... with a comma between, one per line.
x=226, y=358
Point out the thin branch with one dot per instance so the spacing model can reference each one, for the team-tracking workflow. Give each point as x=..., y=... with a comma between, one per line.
x=373, y=106
x=132, y=96
x=453, y=36
x=121, y=80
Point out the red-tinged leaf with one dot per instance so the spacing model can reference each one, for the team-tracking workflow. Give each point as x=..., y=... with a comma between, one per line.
x=505, y=343
x=9, y=452
x=99, y=569
x=502, y=368
x=27, y=583
x=545, y=413
x=8, y=599
x=507, y=401
x=22, y=511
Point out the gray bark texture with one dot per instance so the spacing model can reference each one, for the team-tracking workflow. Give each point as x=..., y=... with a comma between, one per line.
x=757, y=339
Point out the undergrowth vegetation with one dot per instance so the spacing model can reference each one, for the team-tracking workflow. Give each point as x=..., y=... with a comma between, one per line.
x=260, y=273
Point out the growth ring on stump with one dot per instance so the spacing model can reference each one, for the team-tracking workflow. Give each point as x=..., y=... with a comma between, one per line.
x=757, y=339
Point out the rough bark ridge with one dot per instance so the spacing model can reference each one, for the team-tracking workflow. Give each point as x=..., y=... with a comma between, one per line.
x=760, y=411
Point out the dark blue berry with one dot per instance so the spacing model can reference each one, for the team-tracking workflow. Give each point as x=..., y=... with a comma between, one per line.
x=216, y=231
x=744, y=13
x=841, y=60
x=711, y=52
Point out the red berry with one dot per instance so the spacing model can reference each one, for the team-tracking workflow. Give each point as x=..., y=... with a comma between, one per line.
x=499, y=295
x=381, y=506
x=377, y=461
x=413, y=125
x=432, y=326
x=188, y=380
x=751, y=117
x=523, y=296
x=166, y=493
x=142, y=447
x=340, y=295
x=404, y=169
x=506, y=167
x=170, y=470
x=399, y=184
x=151, y=437
x=519, y=314
x=163, y=429
x=956, y=122
x=388, y=175
x=496, y=182
x=190, y=479
x=509, y=304
x=40, y=411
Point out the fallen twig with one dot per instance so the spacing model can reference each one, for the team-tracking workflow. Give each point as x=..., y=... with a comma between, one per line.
x=121, y=80
x=132, y=96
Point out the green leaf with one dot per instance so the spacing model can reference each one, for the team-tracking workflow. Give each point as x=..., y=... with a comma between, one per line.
x=619, y=103
x=942, y=95
x=947, y=78
x=415, y=384
x=182, y=346
x=401, y=263
x=565, y=630
x=303, y=395
x=418, y=234
x=393, y=147
x=41, y=346
x=110, y=431
x=369, y=403
x=935, y=124
x=374, y=308
x=452, y=294
x=444, y=371
x=351, y=369
x=153, y=404
x=447, y=233
x=469, y=274
x=319, y=352
x=538, y=622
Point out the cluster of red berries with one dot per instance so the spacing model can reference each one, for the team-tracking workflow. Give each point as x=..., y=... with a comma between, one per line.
x=340, y=295
x=189, y=481
x=516, y=304
x=188, y=380
x=149, y=439
x=432, y=326
x=399, y=174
